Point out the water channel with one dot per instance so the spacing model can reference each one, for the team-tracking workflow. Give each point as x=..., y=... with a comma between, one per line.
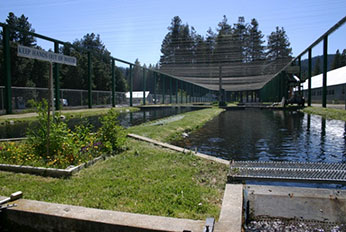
x=126, y=119
x=265, y=135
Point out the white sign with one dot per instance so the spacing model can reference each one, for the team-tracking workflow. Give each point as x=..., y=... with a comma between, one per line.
x=39, y=54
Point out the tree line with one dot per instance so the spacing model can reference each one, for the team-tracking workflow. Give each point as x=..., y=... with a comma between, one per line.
x=241, y=42
x=34, y=73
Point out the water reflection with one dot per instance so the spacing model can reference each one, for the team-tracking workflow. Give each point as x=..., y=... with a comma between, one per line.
x=271, y=135
x=126, y=120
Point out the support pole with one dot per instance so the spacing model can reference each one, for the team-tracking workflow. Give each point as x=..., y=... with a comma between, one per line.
x=113, y=82
x=325, y=67
x=181, y=92
x=300, y=75
x=131, y=85
x=7, y=69
x=144, y=85
x=155, y=99
x=163, y=89
x=186, y=97
x=56, y=79
x=309, y=76
x=176, y=92
x=89, y=82
x=170, y=90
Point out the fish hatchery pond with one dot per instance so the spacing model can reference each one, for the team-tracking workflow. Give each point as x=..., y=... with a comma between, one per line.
x=266, y=135
x=126, y=119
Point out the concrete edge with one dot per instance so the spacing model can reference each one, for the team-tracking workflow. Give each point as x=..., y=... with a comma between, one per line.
x=50, y=172
x=44, y=216
x=179, y=149
x=232, y=209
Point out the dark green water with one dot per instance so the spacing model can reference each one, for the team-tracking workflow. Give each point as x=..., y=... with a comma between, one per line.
x=125, y=119
x=265, y=135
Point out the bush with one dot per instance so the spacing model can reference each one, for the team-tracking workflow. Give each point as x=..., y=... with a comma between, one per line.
x=111, y=134
x=66, y=147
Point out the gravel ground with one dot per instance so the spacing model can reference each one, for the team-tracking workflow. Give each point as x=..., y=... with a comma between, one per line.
x=278, y=225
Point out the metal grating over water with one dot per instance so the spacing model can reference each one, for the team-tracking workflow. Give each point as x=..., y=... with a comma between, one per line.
x=288, y=171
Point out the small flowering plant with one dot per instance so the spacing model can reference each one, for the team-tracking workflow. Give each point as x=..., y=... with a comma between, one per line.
x=66, y=147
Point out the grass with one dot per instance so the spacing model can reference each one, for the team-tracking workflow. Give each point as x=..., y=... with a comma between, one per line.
x=143, y=179
x=172, y=131
x=327, y=113
x=28, y=117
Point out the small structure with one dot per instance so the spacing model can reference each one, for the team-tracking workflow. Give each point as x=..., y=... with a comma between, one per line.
x=137, y=96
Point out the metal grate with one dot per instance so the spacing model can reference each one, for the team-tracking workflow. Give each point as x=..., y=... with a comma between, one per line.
x=288, y=171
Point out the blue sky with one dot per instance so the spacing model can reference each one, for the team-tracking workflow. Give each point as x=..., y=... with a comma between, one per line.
x=135, y=29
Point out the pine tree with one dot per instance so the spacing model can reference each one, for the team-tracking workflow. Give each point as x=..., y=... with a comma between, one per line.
x=317, y=68
x=278, y=45
x=336, y=61
x=239, y=38
x=223, y=48
x=343, y=58
x=254, y=46
x=23, y=24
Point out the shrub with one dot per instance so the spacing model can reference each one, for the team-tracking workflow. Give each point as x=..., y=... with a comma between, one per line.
x=111, y=134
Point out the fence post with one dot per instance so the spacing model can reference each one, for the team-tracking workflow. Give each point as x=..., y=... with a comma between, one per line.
x=325, y=67
x=7, y=68
x=163, y=89
x=155, y=99
x=170, y=90
x=56, y=79
x=309, y=77
x=176, y=91
x=113, y=82
x=144, y=86
x=89, y=81
x=131, y=84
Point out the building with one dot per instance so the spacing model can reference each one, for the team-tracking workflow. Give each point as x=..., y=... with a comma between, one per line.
x=336, y=87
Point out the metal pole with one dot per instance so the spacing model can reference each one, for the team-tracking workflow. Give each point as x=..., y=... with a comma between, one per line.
x=309, y=76
x=170, y=90
x=185, y=92
x=131, y=85
x=56, y=79
x=50, y=103
x=155, y=99
x=176, y=92
x=7, y=69
x=144, y=86
x=89, y=81
x=325, y=66
x=163, y=89
x=113, y=82
x=181, y=92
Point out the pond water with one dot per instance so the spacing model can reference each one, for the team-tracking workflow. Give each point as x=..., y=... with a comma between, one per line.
x=125, y=119
x=264, y=135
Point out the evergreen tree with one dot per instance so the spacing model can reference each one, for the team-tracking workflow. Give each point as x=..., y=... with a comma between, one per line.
x=343, y=58
x=278, y=45
x=223, y=48
x=254, y=46
x=317, y=68
x=337, y=60
x=23, y=24
x=239, y=38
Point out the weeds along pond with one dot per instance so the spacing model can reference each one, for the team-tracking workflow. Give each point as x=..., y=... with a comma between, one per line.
x=266, y=135
x=126, y=119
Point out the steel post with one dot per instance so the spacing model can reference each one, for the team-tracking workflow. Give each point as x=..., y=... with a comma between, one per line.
x=170, y=90
x=89, y=81
x=155, y=99
x=325, y=67
x=7, y=69
x=131, y=85
x=163, y=89
x=113, y=82
x=56, y=79
x=144, y=85
x=309, y=76
x=176, y=91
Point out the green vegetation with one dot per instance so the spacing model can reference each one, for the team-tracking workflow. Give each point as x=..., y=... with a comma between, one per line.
x=172, y=131
x=63, y=147
x=143, y=179
x=328, y=113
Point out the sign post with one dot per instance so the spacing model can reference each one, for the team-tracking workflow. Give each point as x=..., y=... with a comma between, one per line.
x=51, y=57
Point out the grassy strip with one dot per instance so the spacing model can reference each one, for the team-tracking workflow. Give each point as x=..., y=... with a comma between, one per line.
x=173, y=130
x=144, y=179
x=328, y=113
x=68, y=113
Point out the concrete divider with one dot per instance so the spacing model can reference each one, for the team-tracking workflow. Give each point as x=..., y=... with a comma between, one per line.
x=179, y=149
x=42, y=216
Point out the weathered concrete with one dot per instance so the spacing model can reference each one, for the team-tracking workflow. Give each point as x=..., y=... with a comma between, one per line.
x=43, y=216
x=179, y=149
x=325, y=205
x=231, y=210
x=52, y=172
